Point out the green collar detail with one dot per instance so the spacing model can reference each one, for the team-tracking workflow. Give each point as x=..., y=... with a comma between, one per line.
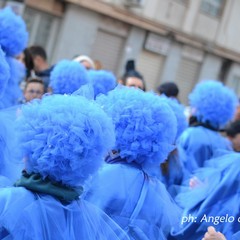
x=35, y=183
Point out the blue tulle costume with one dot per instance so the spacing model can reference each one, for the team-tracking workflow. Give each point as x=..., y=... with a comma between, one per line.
x=9, y=170
x=64, y=140
x=213, y=106
x=216, y=196
x=145, y=131
x=173, y=171
x=13, y=40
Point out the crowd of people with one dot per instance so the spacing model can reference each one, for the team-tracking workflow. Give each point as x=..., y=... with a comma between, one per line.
x=86, y=156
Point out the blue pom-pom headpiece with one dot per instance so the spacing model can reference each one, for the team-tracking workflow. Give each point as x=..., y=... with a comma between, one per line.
x=178, y=110
x=102, y=81
x=64, y=137
x=13, y=32
x=145, y=126
x=4, y=72
x=13, y=93
x=213, y=103
x=67, y=77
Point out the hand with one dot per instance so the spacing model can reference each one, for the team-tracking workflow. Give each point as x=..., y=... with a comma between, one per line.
x=194, y=182
x=211, y=234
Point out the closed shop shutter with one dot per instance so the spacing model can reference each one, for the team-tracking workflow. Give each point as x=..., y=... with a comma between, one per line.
x=107, y=49
x=186, y=78
x=150, y=66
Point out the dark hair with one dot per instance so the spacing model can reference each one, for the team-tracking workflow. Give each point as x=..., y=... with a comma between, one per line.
x=28, y=60
x=38, y=51
x=34, y=80
x=170, y=89
x=233, y=128
x=133, y=73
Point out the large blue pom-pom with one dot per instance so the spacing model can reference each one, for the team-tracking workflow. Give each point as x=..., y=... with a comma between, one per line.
x=145, y=126
x=213, y=103
x=64, y=137
x=102, y=81
x=67, y=77
x=13, y=32
x=4, y=72
x=178, y=110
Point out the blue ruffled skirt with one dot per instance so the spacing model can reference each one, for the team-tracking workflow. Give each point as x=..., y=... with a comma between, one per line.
x=28, y=216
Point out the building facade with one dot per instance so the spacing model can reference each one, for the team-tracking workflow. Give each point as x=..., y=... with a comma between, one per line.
x=183, y=41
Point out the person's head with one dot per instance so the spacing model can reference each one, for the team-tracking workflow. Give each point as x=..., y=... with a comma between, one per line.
x=86, y=61
x=233, y=134
x=237, y=112
x=34, y=89
x=64, y=138
x=213, y=103
x=169, y=89
x=39, y=56
x=133, y=79
x=145, y=126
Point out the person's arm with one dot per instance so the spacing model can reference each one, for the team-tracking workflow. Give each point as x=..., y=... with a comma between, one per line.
x=211, y=234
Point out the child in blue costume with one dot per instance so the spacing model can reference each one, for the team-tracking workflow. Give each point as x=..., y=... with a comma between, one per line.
x=145, y=130
x=213, y=106
x=13, y=39
x=63, y=140
x=214, y=201
x=4, y=77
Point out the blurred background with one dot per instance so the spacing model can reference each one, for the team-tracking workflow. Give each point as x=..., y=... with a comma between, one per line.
x=182, y=41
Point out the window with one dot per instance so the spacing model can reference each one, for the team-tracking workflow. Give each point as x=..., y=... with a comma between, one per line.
x=42, y=28
x=213, y=7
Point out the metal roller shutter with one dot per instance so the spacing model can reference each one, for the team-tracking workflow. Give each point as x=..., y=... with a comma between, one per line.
x=186, y=78
x=150, y=65
x=107, y=49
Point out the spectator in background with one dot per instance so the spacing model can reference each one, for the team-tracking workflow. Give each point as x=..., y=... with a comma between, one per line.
x=237, y=113
x=131, y=77
x=169, y=89
x=86, y=61
x=41, y=66
x=98, y=65
x=34, y=88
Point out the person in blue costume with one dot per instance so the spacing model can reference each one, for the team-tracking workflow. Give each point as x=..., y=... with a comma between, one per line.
x=173, y=172
x=13, y=40
x=4, y=77
x=214, y=201
x=67, y=77
x=213, y=107
x=145, y=130
x=64, y=140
